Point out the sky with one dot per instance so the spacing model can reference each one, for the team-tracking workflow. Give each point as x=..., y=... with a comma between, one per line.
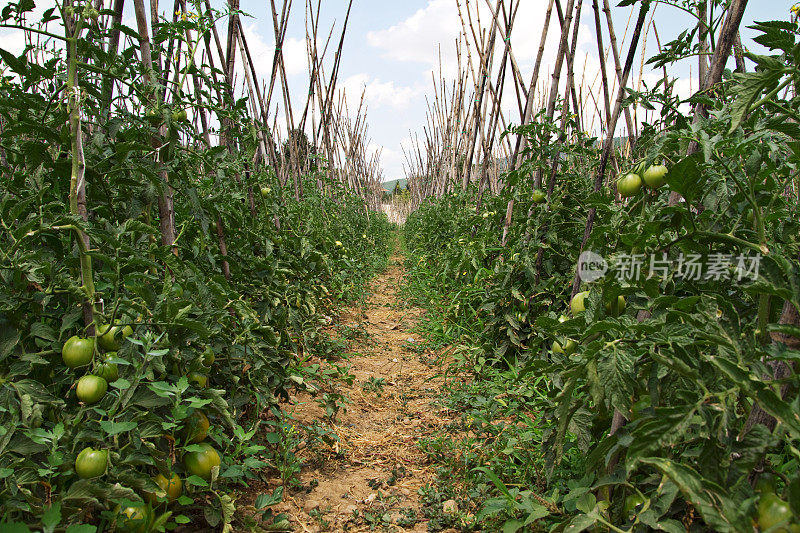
x=392, y=48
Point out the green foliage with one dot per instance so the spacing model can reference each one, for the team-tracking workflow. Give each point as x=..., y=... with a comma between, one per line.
x=262, y=323
x=683, y=365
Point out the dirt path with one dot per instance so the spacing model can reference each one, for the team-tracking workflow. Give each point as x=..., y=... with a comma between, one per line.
x=371, y=476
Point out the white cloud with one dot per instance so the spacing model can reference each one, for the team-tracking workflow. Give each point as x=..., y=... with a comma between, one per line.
x=417, y=38
x=432, y=32
x=438, y=26
x=14, y=41
x=378, y=93
x=262, y=51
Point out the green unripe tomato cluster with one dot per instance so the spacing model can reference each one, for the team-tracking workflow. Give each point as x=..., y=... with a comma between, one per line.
x=630, y=184
x=567, y=349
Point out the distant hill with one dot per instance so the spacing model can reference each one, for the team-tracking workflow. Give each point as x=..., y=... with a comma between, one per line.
x=390, y=185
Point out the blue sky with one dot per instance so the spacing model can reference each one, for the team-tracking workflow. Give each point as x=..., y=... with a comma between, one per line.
x=392, y=47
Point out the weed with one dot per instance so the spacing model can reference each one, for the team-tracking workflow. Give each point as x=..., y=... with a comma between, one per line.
x=408, y=517
x=356, y=332
x=374, y=384
x=332, y=403
x=319, y=516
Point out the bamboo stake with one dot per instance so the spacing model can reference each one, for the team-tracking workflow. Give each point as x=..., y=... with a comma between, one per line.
x=77, y=185
x=725, y=42
x=609, y=140
x=556, y=74
x=165, y=208
x=615, y=51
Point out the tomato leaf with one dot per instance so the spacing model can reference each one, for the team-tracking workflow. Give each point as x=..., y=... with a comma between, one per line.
x=51, y=517
x=714, y=504
x=266, y=500
x=686, y=178
x=115, y=428
x=81, y=528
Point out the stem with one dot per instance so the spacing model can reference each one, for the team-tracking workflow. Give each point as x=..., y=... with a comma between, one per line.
x=751, y=199
x=784, y=109
x=34, y=30
x=764, y=302
x=77, y=187
x=770, y=95
x=733, y=240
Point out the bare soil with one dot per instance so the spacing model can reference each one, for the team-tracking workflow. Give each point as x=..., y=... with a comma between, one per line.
x=373, y=473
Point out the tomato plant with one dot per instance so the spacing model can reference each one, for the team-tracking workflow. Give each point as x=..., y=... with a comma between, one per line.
x=134, y=319
x=615, y=404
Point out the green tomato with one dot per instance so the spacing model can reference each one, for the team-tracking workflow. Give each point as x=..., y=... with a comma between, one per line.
x=133, y=519
x=91, y=389
x=578, y=305
x=107, y=370
x=198, y=379
x=77, y=352
x=265, y=192
x=91, y=463
x=629, y=185
x=179, y=115
x=201, y=463
x=767, y=482
x=208, y=357
x=170, y=489
x=568, y=348
x=633, y=505
x=110, y=337
x=774, y=514
x=655, y=176
x=195, y=427
x=538, y=196
x=616, y=308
